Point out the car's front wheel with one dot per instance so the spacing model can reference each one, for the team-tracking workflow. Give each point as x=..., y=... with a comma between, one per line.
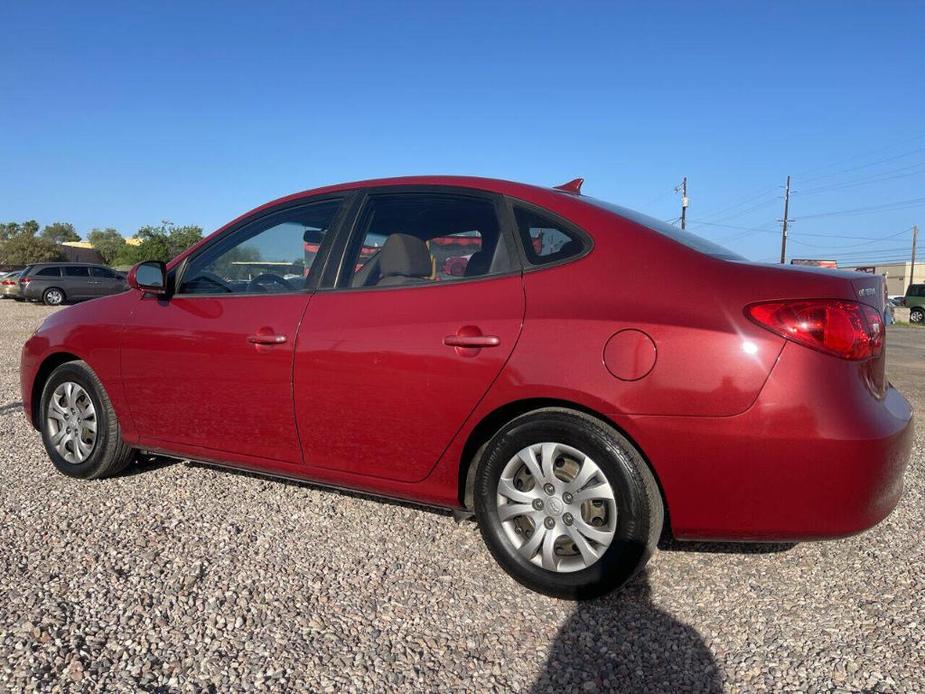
x=917, y=315
x=566, y=504
x=79, y=427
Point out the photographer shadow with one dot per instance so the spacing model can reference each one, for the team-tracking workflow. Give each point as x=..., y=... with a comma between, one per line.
x=624, y=643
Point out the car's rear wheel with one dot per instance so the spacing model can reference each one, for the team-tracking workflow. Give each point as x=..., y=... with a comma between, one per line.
x=917, y=315
x=79, y=427
x=53, y=296
x=566, y=504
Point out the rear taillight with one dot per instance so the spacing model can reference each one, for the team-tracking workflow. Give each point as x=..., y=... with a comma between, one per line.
x=844, y=328
x=25, y=280
x=8, y=283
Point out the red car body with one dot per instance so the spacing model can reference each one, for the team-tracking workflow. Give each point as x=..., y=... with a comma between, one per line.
x=751, y=436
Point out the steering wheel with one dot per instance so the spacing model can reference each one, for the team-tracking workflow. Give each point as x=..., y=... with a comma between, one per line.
x=257, y=284
x=204, y=281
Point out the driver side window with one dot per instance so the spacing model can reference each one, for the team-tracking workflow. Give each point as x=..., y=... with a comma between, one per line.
x=271, y=255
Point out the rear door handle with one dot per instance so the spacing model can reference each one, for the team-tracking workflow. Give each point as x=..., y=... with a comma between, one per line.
x=267, y=339
x=476, y=341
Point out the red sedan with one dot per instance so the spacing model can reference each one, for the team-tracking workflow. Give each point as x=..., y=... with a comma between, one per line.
x=590, y=375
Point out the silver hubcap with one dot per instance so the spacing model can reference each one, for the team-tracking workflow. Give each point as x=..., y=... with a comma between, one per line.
x=556, y=507
x=54, y=297
x=71, y=422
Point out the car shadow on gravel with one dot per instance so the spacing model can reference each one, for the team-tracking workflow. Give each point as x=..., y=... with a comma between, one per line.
x=305, y=484
x=672, y=545
x=624, y=643
x=146, y=462
x=10, y=407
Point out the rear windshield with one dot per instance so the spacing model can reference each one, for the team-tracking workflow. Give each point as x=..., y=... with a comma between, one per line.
x=690, y=240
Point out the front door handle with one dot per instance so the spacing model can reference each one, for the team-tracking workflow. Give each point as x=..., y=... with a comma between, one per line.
x=472, y=341
x=266, y=339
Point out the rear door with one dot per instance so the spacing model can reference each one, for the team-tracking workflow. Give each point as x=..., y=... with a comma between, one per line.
x=398, y=351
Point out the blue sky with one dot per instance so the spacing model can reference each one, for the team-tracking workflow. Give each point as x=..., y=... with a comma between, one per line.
x=125, y=114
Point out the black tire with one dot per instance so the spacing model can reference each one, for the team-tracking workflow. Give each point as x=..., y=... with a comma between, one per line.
x=917, y=315
x=639, y=504
x=110, y=455
x=53, y=296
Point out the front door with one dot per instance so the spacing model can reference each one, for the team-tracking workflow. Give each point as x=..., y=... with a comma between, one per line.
x=208, y=371
x=104, y=281
x=425, y=312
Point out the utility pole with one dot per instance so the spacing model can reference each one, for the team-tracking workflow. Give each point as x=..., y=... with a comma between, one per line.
x=683, y=190
x=915, y=237
x=785, y=220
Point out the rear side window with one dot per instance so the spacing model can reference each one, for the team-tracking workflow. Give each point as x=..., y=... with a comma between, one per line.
x=414, y=239
x=544, y=239
x=48, y=272
x=76, y=272
x=102, y=272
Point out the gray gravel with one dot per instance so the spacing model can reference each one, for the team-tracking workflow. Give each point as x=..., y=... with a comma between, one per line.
x=181, y=577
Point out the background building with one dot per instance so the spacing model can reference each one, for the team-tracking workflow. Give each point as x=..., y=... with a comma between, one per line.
x=896, y=274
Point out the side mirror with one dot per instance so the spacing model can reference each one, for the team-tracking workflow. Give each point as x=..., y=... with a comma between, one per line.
x=149, y=276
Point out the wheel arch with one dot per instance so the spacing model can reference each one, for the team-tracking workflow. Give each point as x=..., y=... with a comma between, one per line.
x=489, y=425
x=48, y=365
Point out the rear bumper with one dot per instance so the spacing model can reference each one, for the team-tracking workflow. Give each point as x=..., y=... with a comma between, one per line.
x=799, y=465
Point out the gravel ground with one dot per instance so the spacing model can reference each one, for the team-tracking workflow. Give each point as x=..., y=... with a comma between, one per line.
x=181, y=577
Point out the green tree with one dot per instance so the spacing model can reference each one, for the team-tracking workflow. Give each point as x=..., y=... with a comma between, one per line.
x=25, y=248
x=109, y=242
x=11, y=229
x=224, y=265
x=129, y=255
x=59, y=232
x=161, y=242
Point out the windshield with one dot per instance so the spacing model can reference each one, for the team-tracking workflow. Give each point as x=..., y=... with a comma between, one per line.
x=690, y=240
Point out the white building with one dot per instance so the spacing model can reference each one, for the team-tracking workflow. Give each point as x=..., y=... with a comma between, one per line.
x=897, y=274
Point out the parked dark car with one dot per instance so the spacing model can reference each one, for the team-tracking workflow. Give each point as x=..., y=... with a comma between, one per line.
x=55, y=283
x=590, y=375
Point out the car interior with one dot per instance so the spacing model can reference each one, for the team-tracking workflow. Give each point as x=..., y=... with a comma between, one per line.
x=412, y=239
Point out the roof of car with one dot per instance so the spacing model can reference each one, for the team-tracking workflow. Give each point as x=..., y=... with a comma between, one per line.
x=63, y=263
x=495, y=185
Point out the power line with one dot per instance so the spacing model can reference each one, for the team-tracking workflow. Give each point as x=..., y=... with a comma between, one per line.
x=869, y=240
x=865, y=166
x=895, y=205
x=854, y=157
x=876, y=178
x=744, y=201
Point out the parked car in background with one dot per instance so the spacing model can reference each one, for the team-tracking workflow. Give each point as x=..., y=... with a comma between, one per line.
x=914, y=300
x=9, y=285
x=573, y=408
x=55, y=283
